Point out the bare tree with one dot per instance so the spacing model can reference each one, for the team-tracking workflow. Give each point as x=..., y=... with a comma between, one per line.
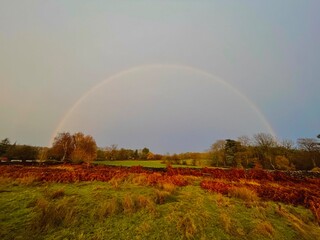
x=310, y=145
x=218, y=145
x=265, y=142
x=287, y=144
x=244, y=141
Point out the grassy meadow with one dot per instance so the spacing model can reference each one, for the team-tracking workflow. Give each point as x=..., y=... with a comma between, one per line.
x=141, y=205
x=147, y=163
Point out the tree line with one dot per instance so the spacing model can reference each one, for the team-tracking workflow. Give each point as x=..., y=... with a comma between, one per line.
x=262, y=150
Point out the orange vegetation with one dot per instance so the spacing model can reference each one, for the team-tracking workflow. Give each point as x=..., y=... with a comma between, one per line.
x=275, y=186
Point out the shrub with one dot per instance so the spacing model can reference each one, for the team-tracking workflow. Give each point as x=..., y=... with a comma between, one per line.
x=282, y=163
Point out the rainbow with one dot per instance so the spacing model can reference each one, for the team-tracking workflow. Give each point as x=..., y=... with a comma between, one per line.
x=149, y=67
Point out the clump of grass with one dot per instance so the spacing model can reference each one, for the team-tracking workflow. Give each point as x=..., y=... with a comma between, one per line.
x=27, y=180
x=168, y=187
x=161, y=196
x=244, y=193
x=186, y=225
x=110, y=207
x=57, y=194
x=116, y=182
x=222, y=201
x=139, y=179
x=144, y=202
x=193, y=180
x=5, y=181
x=265, y=228
x=53, y=214
x=225, y=221
x=128, y=204
x=260, y=211
x=190, y=221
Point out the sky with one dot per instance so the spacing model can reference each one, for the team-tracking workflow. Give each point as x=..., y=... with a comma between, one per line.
x=173, y=76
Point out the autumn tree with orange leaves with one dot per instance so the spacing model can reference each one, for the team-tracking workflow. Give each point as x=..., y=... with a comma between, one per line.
x=76, y=148
x=85, y=148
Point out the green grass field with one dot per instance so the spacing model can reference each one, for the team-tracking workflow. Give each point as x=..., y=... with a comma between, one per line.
x=143, y=163
x=128, y=209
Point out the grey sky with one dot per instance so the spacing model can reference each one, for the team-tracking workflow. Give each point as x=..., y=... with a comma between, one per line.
x=52, y=52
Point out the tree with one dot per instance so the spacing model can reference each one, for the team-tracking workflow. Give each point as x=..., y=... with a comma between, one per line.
x=4, y=146
x=111, y=152
x=144, y=153
x=231, y=148
x=26, y=152
x=217, y=153
x=311, y=146
x=22, y=152
x=287, y=144
x=101, y=156
x=63, y=146
x=245, y=141
x=265, y=144
x=77, y=147
x=264, y=140
x=150, y=156
x=85, y=148
x=43, y=154
x=308, y=144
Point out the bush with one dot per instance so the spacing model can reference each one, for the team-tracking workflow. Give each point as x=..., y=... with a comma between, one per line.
x=282, y=163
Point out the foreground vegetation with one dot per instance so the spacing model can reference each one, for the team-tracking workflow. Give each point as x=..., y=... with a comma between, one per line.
x=77, y=202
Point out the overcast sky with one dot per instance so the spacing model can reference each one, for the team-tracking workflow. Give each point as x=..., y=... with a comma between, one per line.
x=174, y=75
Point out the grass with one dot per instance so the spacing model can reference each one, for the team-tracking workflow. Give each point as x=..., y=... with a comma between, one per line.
x=244, y=193
x=143, y=163
x=131, y=210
